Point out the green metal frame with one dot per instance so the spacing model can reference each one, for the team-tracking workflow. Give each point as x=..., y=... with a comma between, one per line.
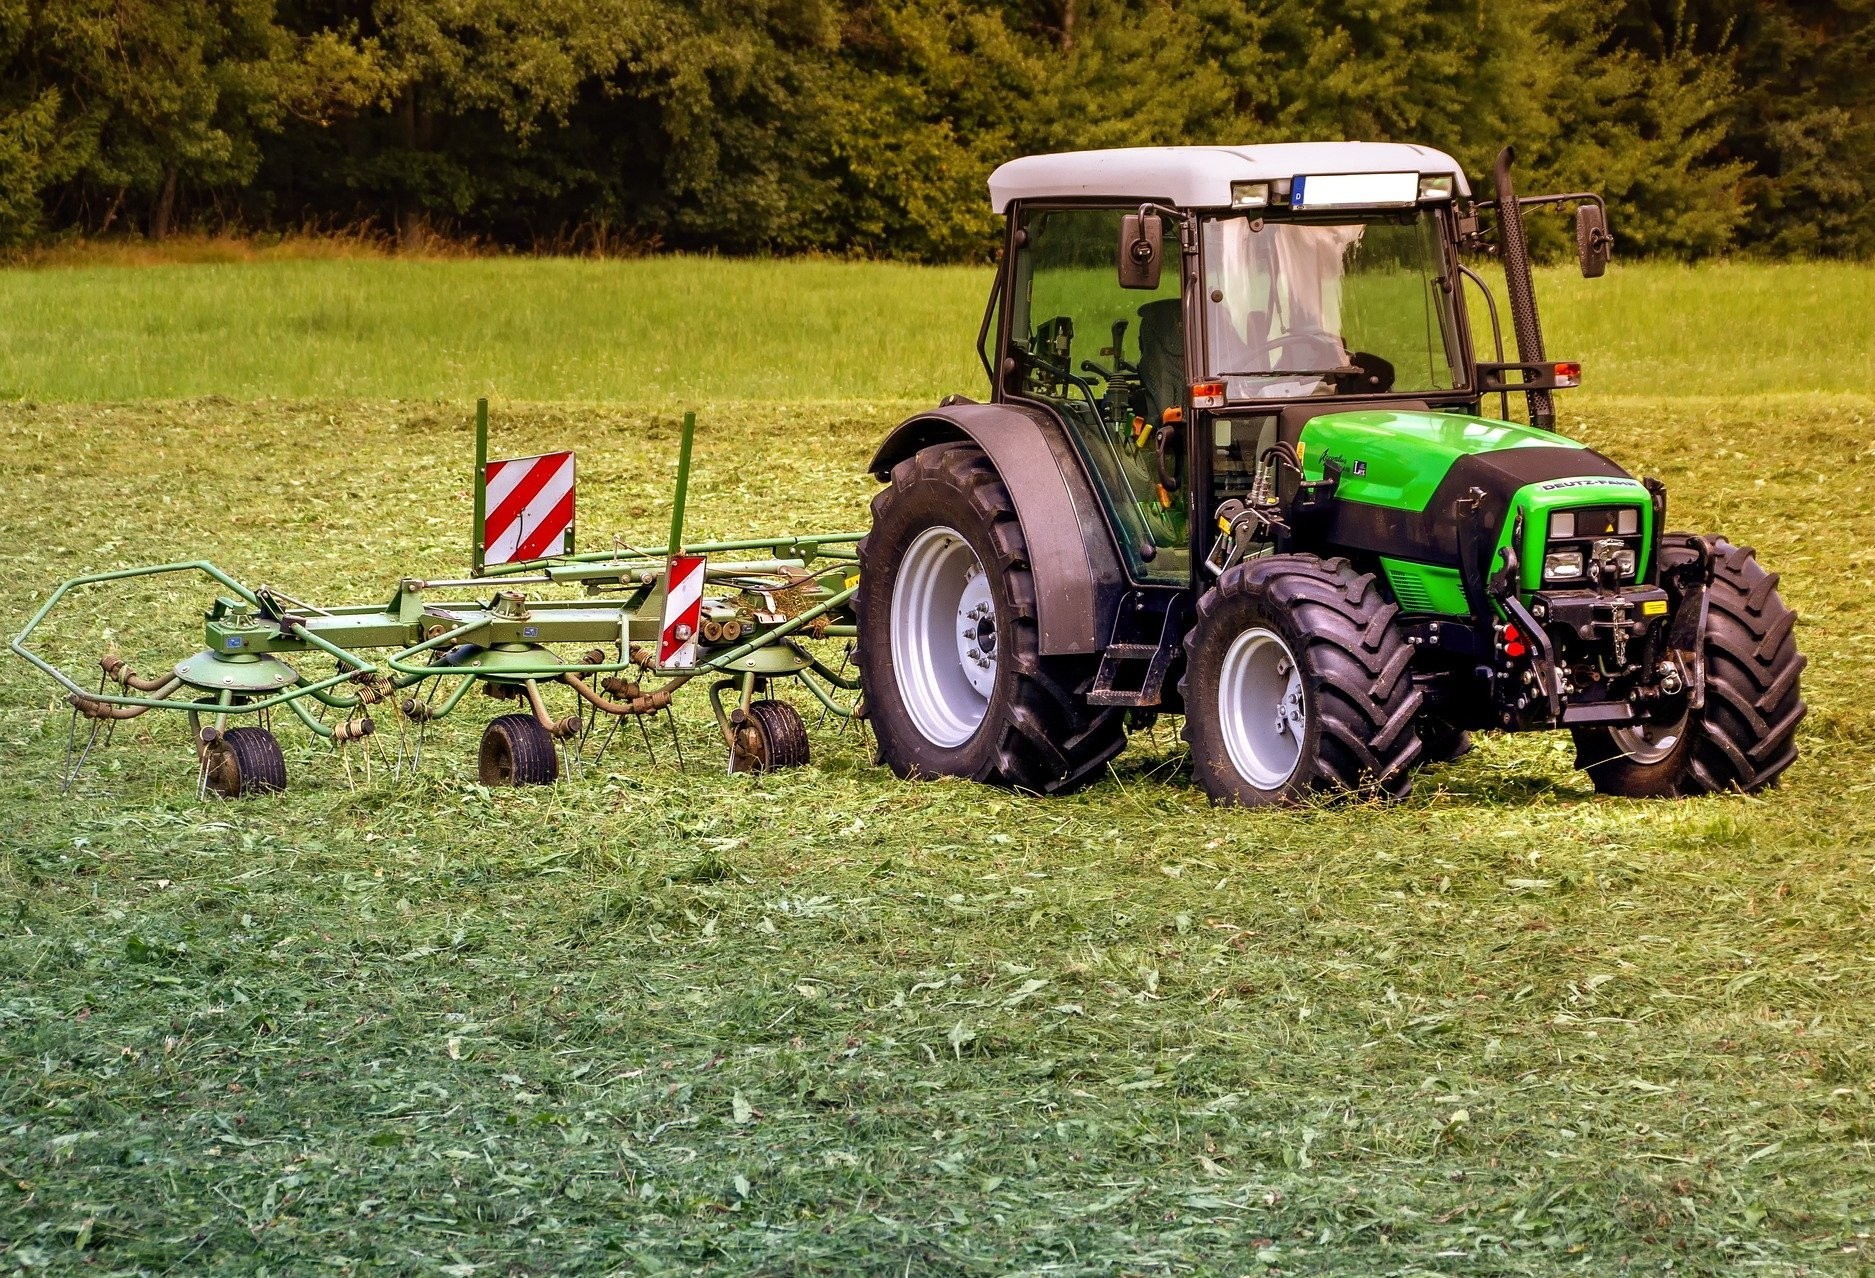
x=251, y=630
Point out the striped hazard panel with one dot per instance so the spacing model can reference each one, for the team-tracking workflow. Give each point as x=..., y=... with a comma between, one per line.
x=530, y=508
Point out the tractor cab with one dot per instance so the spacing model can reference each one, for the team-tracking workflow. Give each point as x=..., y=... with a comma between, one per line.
x=1249, y=457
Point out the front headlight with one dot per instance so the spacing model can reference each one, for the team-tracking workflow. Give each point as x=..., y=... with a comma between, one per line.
x=1564, y=565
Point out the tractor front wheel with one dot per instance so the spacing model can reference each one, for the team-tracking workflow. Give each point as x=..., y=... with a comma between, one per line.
x=950, y=650
x=1297, y=679
x=1746, y=733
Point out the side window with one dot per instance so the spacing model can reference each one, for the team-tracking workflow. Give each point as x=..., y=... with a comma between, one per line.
x=1112, y=360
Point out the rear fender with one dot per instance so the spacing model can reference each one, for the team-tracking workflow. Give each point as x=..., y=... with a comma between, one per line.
x=1078, y=576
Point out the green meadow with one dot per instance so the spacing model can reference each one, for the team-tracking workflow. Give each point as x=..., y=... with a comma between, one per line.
x=659, y=1020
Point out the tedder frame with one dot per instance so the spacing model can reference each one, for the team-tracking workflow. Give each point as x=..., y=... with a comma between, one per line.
x=744, y=618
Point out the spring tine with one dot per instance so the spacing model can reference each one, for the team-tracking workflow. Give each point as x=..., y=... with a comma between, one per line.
x=676, y=742
x=644, y=730
x=71, y=744
x=605, y=745
x=84, y=754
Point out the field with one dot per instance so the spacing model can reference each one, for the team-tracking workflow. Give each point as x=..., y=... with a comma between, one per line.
x=658, y=1020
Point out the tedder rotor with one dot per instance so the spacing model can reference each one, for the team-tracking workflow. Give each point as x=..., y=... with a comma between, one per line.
x=744, y=615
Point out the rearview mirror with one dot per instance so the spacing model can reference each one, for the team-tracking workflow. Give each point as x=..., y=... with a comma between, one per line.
x=1593, y=243
x=1139, y=262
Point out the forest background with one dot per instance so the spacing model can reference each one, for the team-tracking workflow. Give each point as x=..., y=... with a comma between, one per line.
x=862, y=128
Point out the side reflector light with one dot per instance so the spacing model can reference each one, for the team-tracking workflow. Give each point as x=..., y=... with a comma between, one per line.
x=1207, y=394
x=1568, y=374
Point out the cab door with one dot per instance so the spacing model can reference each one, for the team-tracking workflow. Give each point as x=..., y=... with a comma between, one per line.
x=1111, y=362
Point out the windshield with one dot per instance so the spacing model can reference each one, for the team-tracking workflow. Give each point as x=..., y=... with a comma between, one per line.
x=1333, y=307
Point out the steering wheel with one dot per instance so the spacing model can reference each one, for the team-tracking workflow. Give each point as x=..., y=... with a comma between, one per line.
x=1318, y=335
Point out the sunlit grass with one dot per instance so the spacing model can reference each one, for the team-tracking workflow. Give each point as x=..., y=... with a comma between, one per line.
x=661, y=1020
x=683, y=331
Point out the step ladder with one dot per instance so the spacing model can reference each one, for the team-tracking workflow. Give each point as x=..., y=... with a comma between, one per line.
x=1132, y=672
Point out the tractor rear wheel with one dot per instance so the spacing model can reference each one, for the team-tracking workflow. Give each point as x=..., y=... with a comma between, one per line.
x=1746, y=734
x=949, y=647
x=1297, y=680
x=516, y=751
x=245, y=761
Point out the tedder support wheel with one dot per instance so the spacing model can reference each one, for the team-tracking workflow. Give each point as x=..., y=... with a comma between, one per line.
x=244, y=761
x=1297, y=680
x=516, y=750
x=1746, y=734
x=949, y=647
x=770, y=736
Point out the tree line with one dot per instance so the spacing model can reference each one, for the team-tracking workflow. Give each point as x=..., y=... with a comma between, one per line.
x=860, y=126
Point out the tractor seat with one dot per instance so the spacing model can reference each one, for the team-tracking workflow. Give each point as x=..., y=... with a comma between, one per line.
x=1161, y=358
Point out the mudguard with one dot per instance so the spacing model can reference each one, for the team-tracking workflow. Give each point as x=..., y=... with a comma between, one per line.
x=1078, y=576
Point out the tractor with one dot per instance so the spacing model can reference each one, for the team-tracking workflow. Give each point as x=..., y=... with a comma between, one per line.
x=1239, y=462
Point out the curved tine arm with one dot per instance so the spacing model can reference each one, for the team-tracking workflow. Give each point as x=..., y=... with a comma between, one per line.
x=92, y=708
x=645, y=703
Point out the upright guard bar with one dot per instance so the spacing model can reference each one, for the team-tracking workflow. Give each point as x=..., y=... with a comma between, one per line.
x=479, y=486
x=683, y=484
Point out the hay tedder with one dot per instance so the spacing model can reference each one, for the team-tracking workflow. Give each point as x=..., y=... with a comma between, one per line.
x=744, y=615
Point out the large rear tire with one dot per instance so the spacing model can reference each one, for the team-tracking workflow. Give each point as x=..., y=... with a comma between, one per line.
x=1298, y=680
x=1746, y=734
x=954, y=681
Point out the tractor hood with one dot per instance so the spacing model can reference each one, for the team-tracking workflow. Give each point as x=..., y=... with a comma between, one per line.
x=1403, y=473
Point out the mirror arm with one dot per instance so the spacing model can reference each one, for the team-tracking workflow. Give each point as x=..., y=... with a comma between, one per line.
x=1576, y=197
x=1497, y=333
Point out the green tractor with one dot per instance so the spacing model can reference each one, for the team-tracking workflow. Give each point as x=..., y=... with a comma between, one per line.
x=1238, y=463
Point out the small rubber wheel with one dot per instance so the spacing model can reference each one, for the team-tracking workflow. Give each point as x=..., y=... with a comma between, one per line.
x=770, y=736
x=516, y=750
x=244, y=761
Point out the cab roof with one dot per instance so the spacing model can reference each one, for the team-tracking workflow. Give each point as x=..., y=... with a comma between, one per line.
x=1200, y=176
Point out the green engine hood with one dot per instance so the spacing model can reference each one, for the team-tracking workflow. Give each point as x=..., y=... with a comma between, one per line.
x=1399, y=459
x=1404, y=473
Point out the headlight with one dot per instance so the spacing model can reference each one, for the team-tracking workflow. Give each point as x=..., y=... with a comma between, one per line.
x=1628, y=521
x=1624, y=564
x=1566, y=565
x=1562, y=525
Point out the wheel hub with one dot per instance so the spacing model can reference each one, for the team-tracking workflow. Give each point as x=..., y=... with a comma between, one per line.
x=944, y=637
x=1262, y=708
x=976, y=635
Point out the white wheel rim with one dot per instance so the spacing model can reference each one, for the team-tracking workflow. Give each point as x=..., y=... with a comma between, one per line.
x=944, y=637
x=1648, y=742
x=1261, y=708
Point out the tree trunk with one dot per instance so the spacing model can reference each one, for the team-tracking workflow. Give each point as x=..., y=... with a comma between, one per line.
x=165, y=206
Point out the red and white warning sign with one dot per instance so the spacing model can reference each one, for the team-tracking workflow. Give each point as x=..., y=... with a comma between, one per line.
x=529, y=505
x=683, y=612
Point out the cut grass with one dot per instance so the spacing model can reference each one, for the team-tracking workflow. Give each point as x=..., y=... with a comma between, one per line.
x=656, y=1021
x=689, y=331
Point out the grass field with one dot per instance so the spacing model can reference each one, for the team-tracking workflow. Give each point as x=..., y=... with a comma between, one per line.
x=663, y=1021
x=696, y=331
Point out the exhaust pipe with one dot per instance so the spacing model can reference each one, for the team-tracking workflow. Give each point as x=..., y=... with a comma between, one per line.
x=1522, y=289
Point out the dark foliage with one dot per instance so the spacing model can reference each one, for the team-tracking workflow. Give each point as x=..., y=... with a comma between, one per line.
x=868, y=127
